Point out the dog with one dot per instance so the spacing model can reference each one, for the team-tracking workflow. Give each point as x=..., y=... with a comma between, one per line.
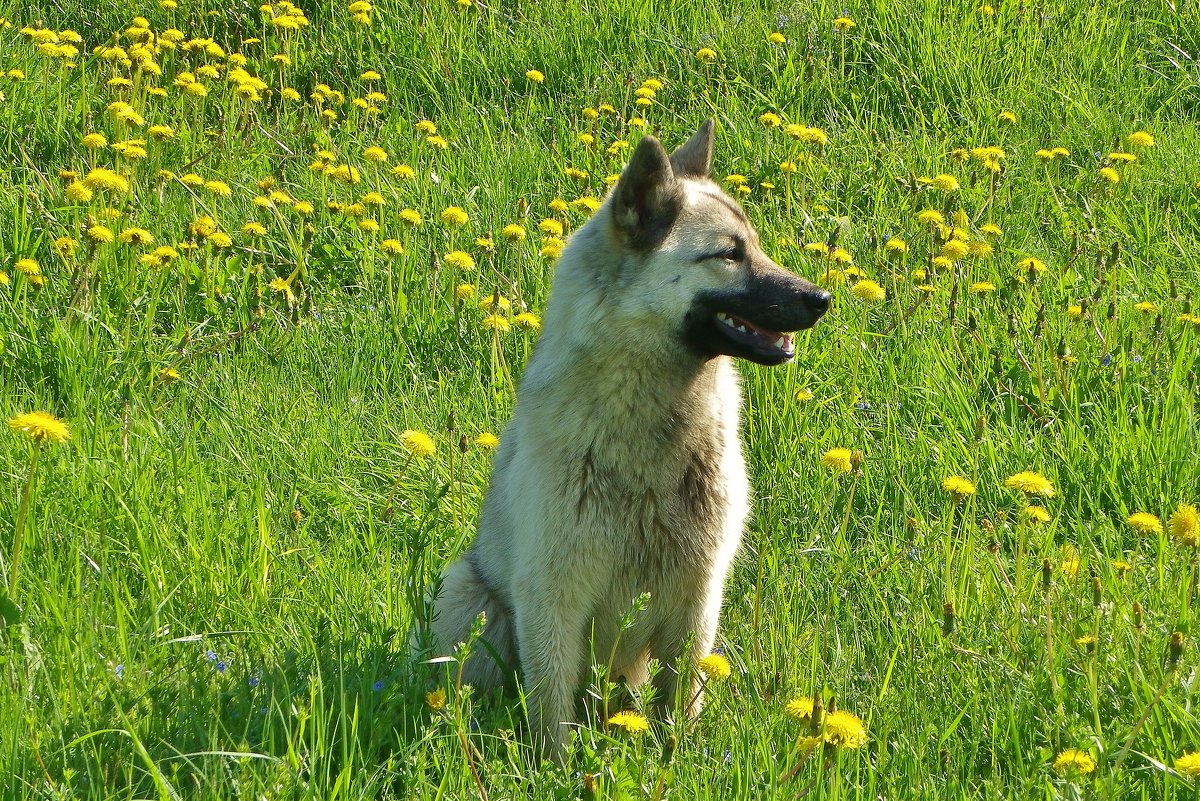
x=621, y=472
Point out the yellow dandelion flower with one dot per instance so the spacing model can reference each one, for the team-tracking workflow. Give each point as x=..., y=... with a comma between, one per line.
x=535, y=76
x=801, y=709
x=95, y=141
x=391, y=247
x=528, y=321
x=958, y=486
x=376, y=154
x=1188, y=764
x=931, y=217
x=1070, y=561
x=706, y=54
x=100, y=234
x=77, y=192
x=136, y=236
x=1030, y=483
x=982, y=288
x=839, y=460
x=437, y=142
x=843, y=24
x=944, y=182
x=513, y=232
x=4, y=280
x=1073, y=761
x=494, y=300
x=1184, y=524
x=218, y=188
x=1007, y=117
x=802, y=395
x=1111, y=175
x=1146, y=307
x=488, y=441
x=1144, y=523
x=496, y=322
x=844, y=730
x=1031, y=265
x=453, y=215
x=464, y=291
x=1087, y=641
x=631, y=722
x=107, y=180
x=410, y=217
x=955, y=250
x=715, y=667
x=459, y=259
x=220, y=239
x=417, y=443
x=303, y=208
x=1036, y=514
x=41, y=427
x=436, y=699
x=1141, y=139
x=869, y=290
x=777, y=38
x=551, y=227
x=27, y=267
x=1122, y=158
x=552, y=247
x=770, y=120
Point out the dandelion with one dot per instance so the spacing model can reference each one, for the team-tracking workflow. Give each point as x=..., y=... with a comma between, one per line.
x=895, y=246
x=218, y=188
x=706, y=54
x=1036, y=514
x=1007, y=117
x=1087, y=641
x=436, y=699
x=1144, y=523
x=843, y=24
x=27, y=267
x=1141, y=139
x=1146, y=307
x=1188, y=764
x=107, y=180
x=1074, y=762
x=453, y=215
x=417, y=443
x=552, y=247
x=99, y=234
x=391, y=247
x=770, y=120
x=958, y=487
x=437, y=142
x=535, y=76
x=375, y=154
x=576, y=173
x=955, y=250
x=460, y=259
x=944, y=182
x=136, y=236
x=410, y=217
x=869, y=290
x=844, y=730
x=41, y=427
x=513, y=232
x=803, y=395
x=777, y=38
x=496, y=322
x=931, y=217
x=839, y=460
x=1184, y=525
x=1111, y=175
x=1030, y=483
x=464, y=292
x=1070, y=561
x=982, y=288
x=715, y=667
x=1031, y=265
x=528, y=321
x=631, y=722
x=488, y=441
x=95, y=141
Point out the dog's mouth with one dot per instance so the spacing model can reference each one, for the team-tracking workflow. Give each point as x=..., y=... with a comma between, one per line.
x=771, y=346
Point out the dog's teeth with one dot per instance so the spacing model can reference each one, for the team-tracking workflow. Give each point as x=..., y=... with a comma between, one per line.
x=722, y=316
x=781, y=343
x=742, y=328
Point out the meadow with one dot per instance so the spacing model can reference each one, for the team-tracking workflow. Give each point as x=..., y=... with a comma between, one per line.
x=270, y=276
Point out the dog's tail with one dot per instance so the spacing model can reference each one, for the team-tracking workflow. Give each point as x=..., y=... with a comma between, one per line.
x=493, y=657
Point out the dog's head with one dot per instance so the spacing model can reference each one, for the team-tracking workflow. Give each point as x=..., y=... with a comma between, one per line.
x=693, y=263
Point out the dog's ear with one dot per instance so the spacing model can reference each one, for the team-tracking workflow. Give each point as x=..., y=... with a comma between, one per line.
x=693, y=159
x=647, y=198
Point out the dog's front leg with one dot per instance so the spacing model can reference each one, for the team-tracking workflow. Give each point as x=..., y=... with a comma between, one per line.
x=553, y=654
x=682, y=642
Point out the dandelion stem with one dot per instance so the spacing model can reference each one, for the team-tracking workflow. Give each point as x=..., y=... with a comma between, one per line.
x=14, y=569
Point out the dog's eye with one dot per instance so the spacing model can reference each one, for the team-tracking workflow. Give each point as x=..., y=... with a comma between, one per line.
x=732, y=254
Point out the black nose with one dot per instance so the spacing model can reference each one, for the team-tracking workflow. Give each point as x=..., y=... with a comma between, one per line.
x=818, y=300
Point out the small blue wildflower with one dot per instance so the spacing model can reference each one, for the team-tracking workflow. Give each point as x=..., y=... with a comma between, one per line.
x=1106, y=360
x=221, y=666
x=252, y=681
x=211, y=656
x=377, y=686
x=1137, y=359
x=119, y=670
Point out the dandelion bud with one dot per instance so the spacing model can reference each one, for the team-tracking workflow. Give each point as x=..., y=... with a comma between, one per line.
x=1114, y=253
x=948, y=618
x=463, y=444
x=1172, y=289
x=856, y=459
x=1047, y=575
x=297, y=515
x=1039, y=324
x=1083, y=307
x=972, y=323
x=669, y=746
x=818, y=715
x=997, y=364
x=1111, y=313
x=1012, y=327
x=1061, y=350
x=1138, y=623
x=1174, y=649
x=1156, y=331
x=1096, y=591
x=832, y=705
x=590, y=785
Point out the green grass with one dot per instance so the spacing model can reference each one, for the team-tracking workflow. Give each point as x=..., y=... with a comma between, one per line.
x=219, y=572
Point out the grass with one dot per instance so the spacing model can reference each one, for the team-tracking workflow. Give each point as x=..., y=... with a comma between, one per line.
x=219, y=571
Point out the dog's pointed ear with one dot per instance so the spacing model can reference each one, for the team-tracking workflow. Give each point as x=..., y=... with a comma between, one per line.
x=647, y=198
x=693, y=159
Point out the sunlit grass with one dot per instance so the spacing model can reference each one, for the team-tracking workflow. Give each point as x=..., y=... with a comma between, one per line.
x=279, y=273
